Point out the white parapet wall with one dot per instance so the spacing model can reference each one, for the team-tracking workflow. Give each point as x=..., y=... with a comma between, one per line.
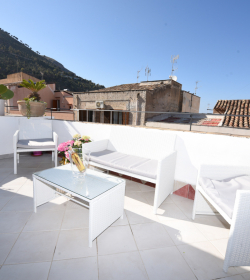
x=192, y=148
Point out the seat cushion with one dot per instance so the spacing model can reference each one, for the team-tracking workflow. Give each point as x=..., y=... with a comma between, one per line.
x=223, y=192
x=45, y=143
x=133, y=164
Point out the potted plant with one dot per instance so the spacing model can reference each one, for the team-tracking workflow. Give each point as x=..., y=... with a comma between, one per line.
x=5, y=94
x=32, y=106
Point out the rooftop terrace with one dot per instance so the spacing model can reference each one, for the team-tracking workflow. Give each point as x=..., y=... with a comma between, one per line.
x=53, y=243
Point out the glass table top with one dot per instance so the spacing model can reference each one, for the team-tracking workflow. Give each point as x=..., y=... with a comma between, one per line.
x=94, y=184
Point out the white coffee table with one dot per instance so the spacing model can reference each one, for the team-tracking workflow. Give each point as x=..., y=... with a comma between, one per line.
x=102, y=193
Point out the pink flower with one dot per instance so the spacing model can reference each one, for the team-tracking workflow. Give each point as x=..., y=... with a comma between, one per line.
x=67, y=155
x=63, y=147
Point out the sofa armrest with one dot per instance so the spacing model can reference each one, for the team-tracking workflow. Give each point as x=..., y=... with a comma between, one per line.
x=97, y=146
x=237, y=253
x=15, y=139
x=165, y=178
x=55, y=138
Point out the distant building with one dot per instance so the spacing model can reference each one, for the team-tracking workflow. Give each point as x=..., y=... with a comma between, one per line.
x=155, y=97
x=60, y=100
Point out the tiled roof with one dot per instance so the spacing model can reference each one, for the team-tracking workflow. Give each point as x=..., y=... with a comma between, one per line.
x=234, y=107
x=129, y=87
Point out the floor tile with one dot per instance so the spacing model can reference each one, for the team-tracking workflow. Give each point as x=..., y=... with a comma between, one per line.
x=183, y=232
x=205, y=261
x=33, y=247
x=121, y=266
x=13, y=182
x=169, y=211
x=145, y=188
x=134, y=198
x=212, y=227
x=121, y=222
x=57, y=204
x=5, y=197
x=73, y=205
x=76, y=269
x=166, y=263
x=186, y=207
x=140, y=214
x=30, y=271
x=116, y=240
x=74, y=244
x=76, y=218
x=7, y=240
x=44, y=221
x=26, y=189
x=234, y=277
x=11, y=222
x=20, y=203
x=220, y=245
x=132, y=186
x=150, y=236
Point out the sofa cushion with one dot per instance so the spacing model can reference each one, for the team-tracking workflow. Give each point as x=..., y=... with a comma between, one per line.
x=45, y=143
x=133, y=164
x=223, y=192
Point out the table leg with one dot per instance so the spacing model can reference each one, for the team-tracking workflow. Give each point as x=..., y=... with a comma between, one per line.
x=34, y=193
x=90, y=224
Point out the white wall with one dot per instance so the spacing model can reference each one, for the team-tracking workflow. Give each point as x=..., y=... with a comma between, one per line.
x=192, y=148
x=8, y=126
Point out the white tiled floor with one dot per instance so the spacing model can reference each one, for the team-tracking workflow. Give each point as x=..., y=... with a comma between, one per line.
x=53, y=243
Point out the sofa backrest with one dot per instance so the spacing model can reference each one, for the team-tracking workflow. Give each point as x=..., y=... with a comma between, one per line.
x=141, y=141
x=35, y=128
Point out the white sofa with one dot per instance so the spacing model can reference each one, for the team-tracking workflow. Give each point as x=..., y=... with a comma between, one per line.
x=34, y=134
x=234, y=207
x=139, y=154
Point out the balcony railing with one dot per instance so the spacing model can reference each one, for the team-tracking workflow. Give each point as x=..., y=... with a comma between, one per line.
x=189, y=122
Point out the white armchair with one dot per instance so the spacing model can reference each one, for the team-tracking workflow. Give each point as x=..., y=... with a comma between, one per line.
x=34, y=135
x=238, y=248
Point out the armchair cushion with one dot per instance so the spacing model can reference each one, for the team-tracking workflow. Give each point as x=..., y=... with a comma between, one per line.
x=36, y=143
x=133, y=164
x=223, y=192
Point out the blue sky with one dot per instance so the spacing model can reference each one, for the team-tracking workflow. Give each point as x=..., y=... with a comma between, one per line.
x=108, y=41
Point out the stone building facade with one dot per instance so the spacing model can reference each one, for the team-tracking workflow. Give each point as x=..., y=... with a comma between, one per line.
x=154, y=97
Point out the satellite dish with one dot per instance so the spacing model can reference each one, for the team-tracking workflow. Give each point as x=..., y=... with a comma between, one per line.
x=174, y=78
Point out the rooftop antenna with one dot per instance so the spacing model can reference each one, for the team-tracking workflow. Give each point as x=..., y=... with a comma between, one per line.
x=147, y=72
x=138, y=72
x=208, y=107
x=195, y=89
x=173, y=61
x=41, y=74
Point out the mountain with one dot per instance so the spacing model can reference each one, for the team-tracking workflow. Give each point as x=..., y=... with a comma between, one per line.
x=16, y=56
x=58, y=64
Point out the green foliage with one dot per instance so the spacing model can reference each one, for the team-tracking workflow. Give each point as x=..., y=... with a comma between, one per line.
x=5, y=93
x=34, y=95
x=27, y=102
x=32, y=63
x=34, y=87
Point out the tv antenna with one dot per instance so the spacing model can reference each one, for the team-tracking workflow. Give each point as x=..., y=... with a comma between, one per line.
x=195, y=89
x=138, y=72
x=41, y=74
x=173, y=61
x=147, y=72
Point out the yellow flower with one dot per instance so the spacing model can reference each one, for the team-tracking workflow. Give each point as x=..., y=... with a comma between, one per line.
x=76, y=136
x=85, y=137
x=78, y=143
